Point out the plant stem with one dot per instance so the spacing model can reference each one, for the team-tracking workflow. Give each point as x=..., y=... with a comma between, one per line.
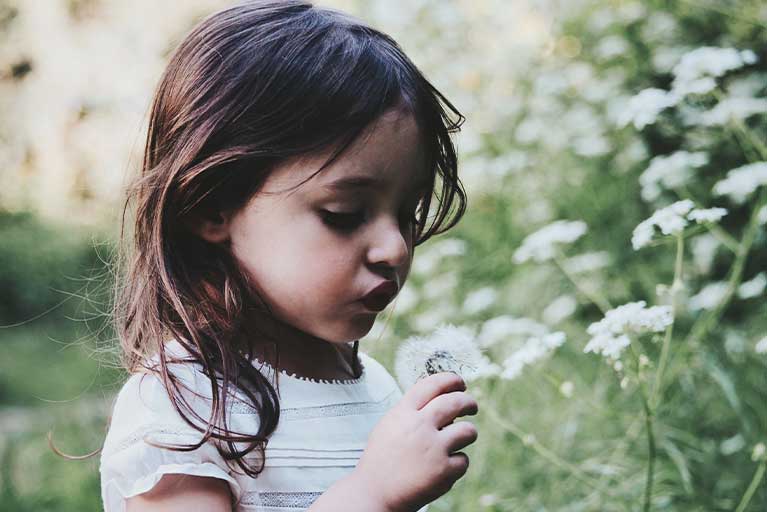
x=651, y=451
x=602, y=303
x=675, y=287
x=744, y=501
x=545, y=452
x=719, y=233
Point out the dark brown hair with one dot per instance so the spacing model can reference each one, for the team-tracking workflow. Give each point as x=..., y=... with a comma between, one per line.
x=249, y=87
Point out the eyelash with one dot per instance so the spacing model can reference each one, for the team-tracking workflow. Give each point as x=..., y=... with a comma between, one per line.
x=342, y=221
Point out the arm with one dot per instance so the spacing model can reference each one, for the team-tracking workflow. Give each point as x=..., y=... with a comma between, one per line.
x=349, y=494
x=181, y=493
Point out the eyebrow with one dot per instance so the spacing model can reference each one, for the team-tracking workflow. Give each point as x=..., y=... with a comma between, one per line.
x=357, y=182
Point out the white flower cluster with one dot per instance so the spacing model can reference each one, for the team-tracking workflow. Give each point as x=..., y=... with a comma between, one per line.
x=761, y=346
x=532, y=351
x=742, y=182
x=610, y=335
x=541, y=245
x=733, y=108
x=695, y=73
x=672, y=220
x=696, y=70
x=709, y=296
x=502, y=327
x=669, y=172
x=643, y=108
x=448, y=349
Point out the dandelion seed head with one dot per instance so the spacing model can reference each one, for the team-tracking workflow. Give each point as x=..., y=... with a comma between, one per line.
x=447, y=349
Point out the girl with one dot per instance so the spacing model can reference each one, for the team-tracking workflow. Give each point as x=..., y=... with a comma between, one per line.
x=291, y=157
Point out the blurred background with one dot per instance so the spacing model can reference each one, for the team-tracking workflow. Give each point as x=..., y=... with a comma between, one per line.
x=556, y=130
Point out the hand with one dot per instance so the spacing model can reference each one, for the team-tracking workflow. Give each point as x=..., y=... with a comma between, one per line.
x=411, y=458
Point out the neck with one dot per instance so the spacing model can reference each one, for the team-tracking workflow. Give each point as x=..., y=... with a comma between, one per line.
x=288, y=348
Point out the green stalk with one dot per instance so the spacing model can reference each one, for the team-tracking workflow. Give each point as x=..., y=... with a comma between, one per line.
x=545, y=452
x=752, y=487
x=675, y=287
x=602, y=303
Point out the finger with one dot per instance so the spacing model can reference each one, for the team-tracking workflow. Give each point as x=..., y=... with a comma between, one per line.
x=458, y=463
x=459, y=435
x=444, y=409
x=429, y=387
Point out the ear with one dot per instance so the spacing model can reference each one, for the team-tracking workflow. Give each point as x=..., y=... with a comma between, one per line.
x=212, y=227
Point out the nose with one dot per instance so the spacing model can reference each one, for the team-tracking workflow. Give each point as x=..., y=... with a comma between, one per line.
x=389, y=249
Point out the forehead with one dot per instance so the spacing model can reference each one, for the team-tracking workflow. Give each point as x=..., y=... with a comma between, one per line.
x=390, y=154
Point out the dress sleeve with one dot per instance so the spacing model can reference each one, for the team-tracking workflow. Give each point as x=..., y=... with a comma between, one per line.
x=143, y=412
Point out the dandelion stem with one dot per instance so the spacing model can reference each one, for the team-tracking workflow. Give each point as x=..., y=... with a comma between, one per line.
x=746, y=499
x=602, y=303
x=676, y=285
x=545, y=452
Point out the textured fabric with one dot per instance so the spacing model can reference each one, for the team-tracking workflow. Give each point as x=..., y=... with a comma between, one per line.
x=322, y=432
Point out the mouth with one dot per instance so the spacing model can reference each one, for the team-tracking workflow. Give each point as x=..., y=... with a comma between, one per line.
x=380, y=296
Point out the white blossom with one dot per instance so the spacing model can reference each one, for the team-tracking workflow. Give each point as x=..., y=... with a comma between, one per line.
x=587, y=261
x=532, y=351
x=567, y=388
x=670, y=220
x=761, y=215
x=643, y=108
x=704, y=249
x=707, y=215
x=742, y=181
x=733, y=109
x=559, y=309
x=708, y=61
x=761, y=346
x=479, y=300
x=754, y=287
x=669, y=172
x=428, y=260
x=488, y=500
x=447, y=349
x=503, y=327
x=610, y=335
x=541, y=245
x=758, y=452
x=708, y=297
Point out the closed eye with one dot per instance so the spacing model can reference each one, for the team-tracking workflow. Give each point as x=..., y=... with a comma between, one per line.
x=342, y=221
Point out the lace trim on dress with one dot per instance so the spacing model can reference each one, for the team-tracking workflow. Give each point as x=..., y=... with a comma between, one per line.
x=300, y=500
x=320, y=411
x=344, y=382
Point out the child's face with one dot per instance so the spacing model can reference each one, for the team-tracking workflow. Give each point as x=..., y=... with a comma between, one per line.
x=313, y=266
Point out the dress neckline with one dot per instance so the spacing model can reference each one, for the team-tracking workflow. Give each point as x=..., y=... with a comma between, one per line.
x=333, y=382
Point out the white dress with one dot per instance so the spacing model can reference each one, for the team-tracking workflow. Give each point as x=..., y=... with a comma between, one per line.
x=322, y=432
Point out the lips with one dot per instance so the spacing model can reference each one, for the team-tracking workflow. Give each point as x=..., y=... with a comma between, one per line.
x=380, y=296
